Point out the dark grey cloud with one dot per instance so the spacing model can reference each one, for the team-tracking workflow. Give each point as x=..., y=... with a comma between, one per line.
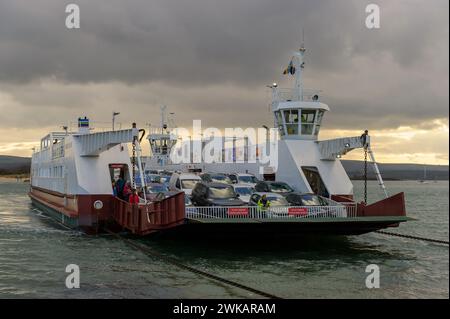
x=376, y=78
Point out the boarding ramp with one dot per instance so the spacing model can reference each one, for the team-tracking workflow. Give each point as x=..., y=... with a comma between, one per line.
x=339, y=211
x=332, y=149
x=95, y=143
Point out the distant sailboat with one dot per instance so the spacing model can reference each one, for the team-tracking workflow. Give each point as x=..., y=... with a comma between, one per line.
x=424, y=180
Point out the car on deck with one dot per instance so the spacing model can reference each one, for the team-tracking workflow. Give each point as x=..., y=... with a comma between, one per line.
x=243, y=178
x=281, y=188
x=215, y=194
x=278, y=205
x=305, y=199
x=215, y=178
x=274, y=198
x=183, y=182
x=316, y=205
x=244, y=191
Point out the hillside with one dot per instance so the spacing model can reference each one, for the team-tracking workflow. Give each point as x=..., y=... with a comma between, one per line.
x=20, y=165
x=14, y=165
x=355, y=170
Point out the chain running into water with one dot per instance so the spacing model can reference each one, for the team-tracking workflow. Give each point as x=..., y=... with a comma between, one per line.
x=173, y=261
x=413, y=237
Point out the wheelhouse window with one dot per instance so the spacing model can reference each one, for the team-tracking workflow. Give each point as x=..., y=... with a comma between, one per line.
x=305, y=122
x=308, y=117
x=279, y=119
x=291, y=117
x=318, y=122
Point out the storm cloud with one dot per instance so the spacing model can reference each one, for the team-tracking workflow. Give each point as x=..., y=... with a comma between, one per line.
x=212, y=59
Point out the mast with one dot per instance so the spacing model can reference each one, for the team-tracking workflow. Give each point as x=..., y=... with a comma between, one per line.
x=299, y=64
x=163, y=118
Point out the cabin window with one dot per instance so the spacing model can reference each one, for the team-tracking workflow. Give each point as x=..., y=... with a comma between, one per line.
x=307, y=129
x=279, y=119
x=318, y=122
x=308, y=117
x=291, y=117
x=316, y=130
x=319, y=117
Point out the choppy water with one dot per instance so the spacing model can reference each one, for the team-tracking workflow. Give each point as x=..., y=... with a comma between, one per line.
x=34, y=252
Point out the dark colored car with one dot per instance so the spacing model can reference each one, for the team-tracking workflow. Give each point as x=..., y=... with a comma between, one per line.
x=298, y=199
x=273, y=187
x=215, y=178
x=215, y=194
x=273, y=198
x=241, y=178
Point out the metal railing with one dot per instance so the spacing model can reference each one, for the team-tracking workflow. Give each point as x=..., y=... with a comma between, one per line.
x=146, y=218
x=289, y=94
x=277, y=212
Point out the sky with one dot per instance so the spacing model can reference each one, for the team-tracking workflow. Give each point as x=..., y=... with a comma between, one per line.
x=212, y=59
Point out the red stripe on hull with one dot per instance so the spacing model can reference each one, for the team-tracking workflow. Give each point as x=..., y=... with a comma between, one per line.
x=76, y=206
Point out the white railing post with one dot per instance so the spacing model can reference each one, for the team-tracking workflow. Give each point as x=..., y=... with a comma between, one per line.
x=279, y=212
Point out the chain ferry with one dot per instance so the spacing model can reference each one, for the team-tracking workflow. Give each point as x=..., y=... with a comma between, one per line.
x=73, y=173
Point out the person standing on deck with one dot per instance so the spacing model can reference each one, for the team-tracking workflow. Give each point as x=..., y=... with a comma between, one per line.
x=114, y=188
x=263, y=202
x=133, y=198
x=364, y=138
x=120, y=184
x=127, y=191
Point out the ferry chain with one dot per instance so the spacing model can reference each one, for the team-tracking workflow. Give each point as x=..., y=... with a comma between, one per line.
x=133, y=162
x=413, y=237
x=148, y=251
x=365, y=174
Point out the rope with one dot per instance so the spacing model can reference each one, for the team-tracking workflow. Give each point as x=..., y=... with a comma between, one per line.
x=147, y=250
x=413, y=237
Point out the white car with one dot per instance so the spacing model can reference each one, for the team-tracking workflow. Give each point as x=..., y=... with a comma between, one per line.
x=184, y=182
x=243, y=178
x=244, y=191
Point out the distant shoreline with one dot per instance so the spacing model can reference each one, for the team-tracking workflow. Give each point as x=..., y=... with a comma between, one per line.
x=11, y=178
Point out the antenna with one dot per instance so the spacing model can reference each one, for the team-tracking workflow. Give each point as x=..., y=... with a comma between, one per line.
x=303, y=37
x=300, y=65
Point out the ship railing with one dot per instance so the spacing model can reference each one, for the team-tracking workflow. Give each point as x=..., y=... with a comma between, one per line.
x=159, y=131
x=278, y=212
x=146, y=218
x=95, y=126
x=289, y=94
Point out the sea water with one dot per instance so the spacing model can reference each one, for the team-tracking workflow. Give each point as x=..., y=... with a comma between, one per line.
x=34, y=253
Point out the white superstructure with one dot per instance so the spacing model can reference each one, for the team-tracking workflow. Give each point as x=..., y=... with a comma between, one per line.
x=298, y=115
x=307, y=164
x=81, y=162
